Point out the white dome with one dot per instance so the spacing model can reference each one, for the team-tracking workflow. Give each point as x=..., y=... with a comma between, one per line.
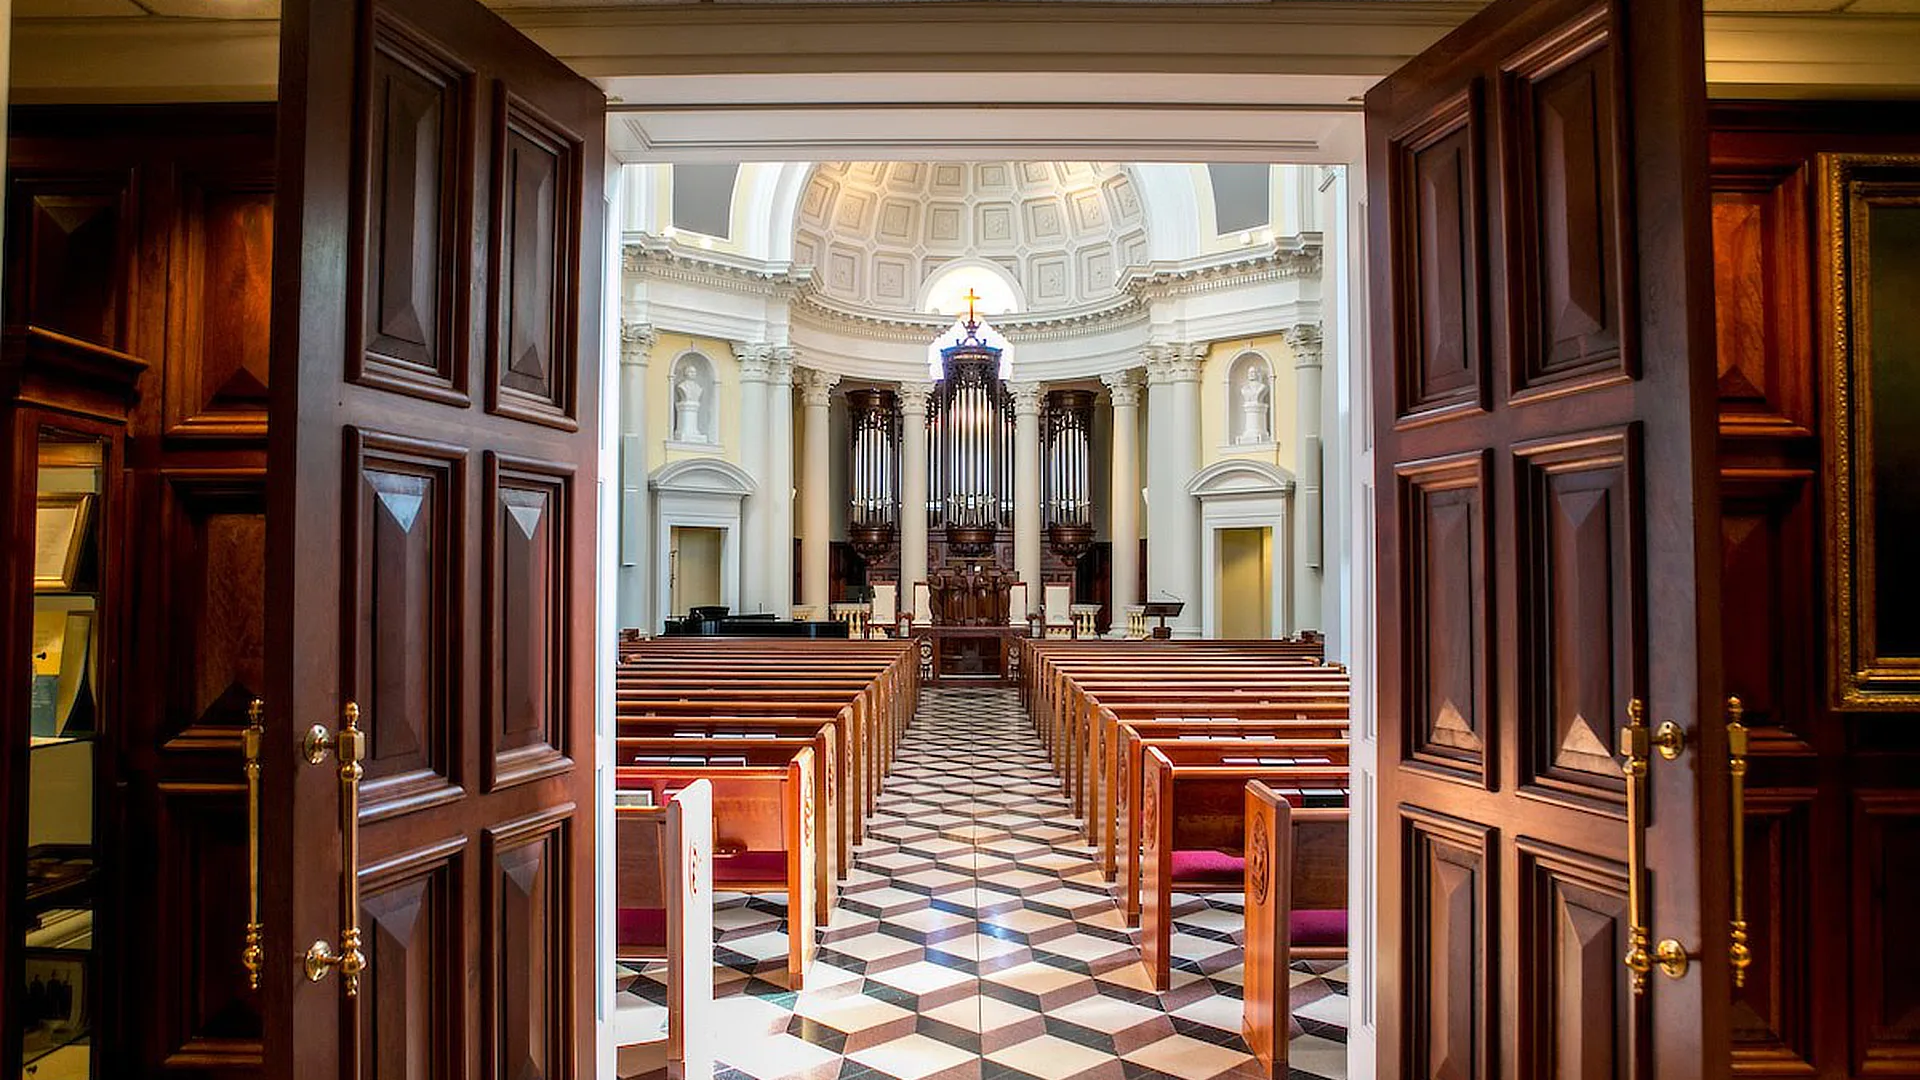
x=874, y=232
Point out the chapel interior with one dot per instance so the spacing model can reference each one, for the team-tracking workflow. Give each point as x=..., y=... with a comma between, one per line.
x=1012, y=608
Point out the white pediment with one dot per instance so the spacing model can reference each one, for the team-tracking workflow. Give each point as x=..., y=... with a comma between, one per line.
x=1240, y=477
x=702, y=476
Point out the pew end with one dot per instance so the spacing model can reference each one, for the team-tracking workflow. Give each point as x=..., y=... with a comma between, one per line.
x=1296, y=909
x=663, y=890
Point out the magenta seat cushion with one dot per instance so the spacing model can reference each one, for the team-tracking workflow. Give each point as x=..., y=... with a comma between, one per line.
x=640, y=926
x=1205, y=866
x=751, y=866
x=1318, y=926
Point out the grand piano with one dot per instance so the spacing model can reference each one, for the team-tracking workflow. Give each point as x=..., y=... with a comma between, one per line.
x=716, y=622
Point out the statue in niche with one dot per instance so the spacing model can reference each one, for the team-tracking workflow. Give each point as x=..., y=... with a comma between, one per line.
x=686, y=405
x=1253, y=409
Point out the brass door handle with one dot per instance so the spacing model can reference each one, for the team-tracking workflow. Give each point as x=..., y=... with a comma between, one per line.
x=1740, y=956
x=253, y=955
x=1637, y=745
x=349, y=746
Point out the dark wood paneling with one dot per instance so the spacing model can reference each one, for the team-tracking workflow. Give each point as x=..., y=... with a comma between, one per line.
x=1577, y=507
x=1773, y=1012
x=1447, y=649
x=528, y=616
x=1762, y=306
x=213, y=552
x=404, y=636
x=208, y=1020
x=1570, y=320
x=216, y=356
x=1886, y=937
x=527, y=913
x=71, y=243
x=1573, y=991
x=1449, y=959
x=419, y=117
x=1767, y=525
x=412, y=1018
x=1438, y=293
x=536, y=228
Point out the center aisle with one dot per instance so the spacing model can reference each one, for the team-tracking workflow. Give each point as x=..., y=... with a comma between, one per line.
x=976, y=940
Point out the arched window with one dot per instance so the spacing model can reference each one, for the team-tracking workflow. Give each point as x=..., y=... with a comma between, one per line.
x=693, y=414
x=1250, y=400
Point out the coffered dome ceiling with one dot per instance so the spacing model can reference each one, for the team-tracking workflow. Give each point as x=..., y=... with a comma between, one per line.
x=874, y=232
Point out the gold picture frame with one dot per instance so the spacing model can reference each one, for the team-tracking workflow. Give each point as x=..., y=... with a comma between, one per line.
x=59, y=536
x=1869, y=273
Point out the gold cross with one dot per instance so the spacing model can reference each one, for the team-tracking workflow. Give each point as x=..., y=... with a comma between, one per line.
x=970, y=298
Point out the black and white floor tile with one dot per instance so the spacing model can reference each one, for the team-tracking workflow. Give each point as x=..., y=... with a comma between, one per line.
x=977, y=940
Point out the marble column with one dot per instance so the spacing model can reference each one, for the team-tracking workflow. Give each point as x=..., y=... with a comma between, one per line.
x=635, y=574
x=913, y=487
x=780, y=534
x=1026, y=490
x=1304, y=340
x=816, y=517
x=1173, y=433
x=1123, y=387
x=756, y=517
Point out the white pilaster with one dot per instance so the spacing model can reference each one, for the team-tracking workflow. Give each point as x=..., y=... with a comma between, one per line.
x=1173, y=432
x=1026, y=489
x=1124, y=514
x=913, y=486
x=1304, y=340
x=636, y=348
x=780, y=534
x=756, y=518
x=816, y=522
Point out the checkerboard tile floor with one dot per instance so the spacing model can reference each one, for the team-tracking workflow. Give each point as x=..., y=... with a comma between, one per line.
x=977, y=940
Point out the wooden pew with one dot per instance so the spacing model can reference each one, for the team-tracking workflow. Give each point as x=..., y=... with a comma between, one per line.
x=1194, y=821
x=663, y=899
x=763, y=835
x=1296, y=905
x=722, y=751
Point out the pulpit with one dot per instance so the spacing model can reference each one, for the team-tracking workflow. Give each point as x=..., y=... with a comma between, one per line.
x=970, y=636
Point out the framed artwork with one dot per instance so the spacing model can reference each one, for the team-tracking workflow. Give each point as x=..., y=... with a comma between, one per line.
x=1870, y=269
x=60, y=528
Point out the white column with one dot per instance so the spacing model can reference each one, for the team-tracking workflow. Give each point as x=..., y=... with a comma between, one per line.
x=780, y=534
x=635, y=573
x=1026, y=490
x=816, y=521
x=1304, y=340
x=1124, y=511
x=756, y=515
x=1173, y=433
x=913, y=486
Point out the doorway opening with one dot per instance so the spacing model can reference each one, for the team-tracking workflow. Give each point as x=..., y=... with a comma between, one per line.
x=1246, y=582
x=694, y=567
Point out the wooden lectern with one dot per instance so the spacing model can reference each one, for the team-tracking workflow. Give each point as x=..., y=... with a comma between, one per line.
x=1163, y=610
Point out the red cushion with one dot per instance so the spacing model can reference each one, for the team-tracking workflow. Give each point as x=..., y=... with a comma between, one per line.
x=1204, y=866
x=640, y=926
x=751, y=867
x=1318, y=926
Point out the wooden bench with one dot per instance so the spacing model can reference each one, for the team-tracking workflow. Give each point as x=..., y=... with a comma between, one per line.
x=663, y=900
x=1194, y=825
x=763, y=834
x=1296, y=907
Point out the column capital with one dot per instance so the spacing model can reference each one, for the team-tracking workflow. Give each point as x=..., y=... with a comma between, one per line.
x=780, y=369
x=636, y=343
x=1304, y=340
x=756, y=360
x=1026, y=397
x=816, y=386
x=1123, y=387
x=1177, y=361
x=914, y=397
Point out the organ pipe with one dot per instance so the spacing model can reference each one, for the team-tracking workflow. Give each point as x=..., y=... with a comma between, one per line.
x=1067, y=430
x=875, y=446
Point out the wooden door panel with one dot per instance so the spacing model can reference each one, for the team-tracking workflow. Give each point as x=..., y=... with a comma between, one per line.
x=411, y=1016
x=1566, y=221
x=1763, y=325
x=1573, y=991
x=209, y=1020
x=1437, y=172
x=1449, y=967
x=1582, y=639
x=213, y=529
x=406, y=568
x=529, y=996
x=1886, y=937
x=1767, y=522
x=1447, y=648
x=529, y=613
x=1771, y=1018
x=420, y=182
x=73, y=264
x=220, y=300
x=536, y=225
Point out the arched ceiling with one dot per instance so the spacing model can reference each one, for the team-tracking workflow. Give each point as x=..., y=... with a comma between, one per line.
x=875, y=231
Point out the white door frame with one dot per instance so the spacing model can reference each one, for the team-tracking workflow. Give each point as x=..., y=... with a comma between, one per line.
x=702, y=493
x=1240, y=493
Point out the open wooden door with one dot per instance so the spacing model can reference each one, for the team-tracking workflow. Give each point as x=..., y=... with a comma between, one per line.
x=431, y=549
x=1548, y=548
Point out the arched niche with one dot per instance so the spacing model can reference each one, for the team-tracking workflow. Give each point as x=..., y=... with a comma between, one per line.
x=693, y=414
x=1249, y=389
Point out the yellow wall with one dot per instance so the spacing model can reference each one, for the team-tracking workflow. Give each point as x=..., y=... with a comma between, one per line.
x=661, y=371
x=696, y=568
x=1245, y=583
x=1219, y=404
